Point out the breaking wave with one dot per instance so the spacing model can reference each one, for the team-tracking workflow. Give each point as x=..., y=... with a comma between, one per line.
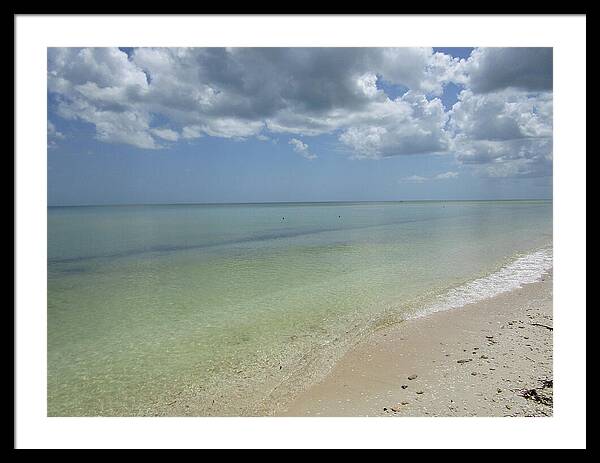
x=526, y=269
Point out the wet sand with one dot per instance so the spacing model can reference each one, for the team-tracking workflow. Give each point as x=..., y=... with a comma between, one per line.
x=491, y=358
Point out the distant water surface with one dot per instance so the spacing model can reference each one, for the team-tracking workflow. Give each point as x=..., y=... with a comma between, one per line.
x=227, y=309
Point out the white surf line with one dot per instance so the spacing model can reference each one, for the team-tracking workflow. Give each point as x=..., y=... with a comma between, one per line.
x=523, y=270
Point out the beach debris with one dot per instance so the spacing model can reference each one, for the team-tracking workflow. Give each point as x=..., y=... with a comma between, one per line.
x=492, y=337
x=420, y=392
x=474, y=373
x=411, y=377
x=532, y=394
x=484, y=357
x=404, y=386
x=540, y=324
x=547, y=383
x=463, y=360
x=398, y=407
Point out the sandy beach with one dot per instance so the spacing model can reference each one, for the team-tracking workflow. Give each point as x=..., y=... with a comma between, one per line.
x=492, y=358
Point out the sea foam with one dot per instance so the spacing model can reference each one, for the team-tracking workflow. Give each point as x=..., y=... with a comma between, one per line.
x=525, y=269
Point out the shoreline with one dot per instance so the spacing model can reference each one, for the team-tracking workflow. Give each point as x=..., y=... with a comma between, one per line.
x=334, y=380
x=488, y=358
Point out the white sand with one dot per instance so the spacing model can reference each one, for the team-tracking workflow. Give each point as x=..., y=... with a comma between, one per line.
x=507, y=352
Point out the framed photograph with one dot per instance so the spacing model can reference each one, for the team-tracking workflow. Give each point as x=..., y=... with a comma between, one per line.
x=296, y=226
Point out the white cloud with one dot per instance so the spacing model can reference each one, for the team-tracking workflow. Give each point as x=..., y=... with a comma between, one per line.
x=511, y=158
x=505, y=115
x=53, y=133
x=128, y=126
x=421, y=179
x=504, y=133
x=166, y=134
x=232, y=128
x=410, y=124
x=191, y=131
x=419, y=69
x=236, y=93
x=501, y=125
x=446, y=175
x=301, y=148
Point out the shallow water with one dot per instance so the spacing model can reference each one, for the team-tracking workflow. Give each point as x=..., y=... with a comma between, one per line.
x=214, y=309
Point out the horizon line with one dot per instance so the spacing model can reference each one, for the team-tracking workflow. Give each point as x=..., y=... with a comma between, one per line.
x=293, y=202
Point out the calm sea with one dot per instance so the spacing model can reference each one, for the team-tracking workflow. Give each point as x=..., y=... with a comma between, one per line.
x=228, y=309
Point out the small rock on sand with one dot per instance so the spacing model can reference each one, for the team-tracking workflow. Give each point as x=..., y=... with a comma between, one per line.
x=404, y=386
x=411, y=377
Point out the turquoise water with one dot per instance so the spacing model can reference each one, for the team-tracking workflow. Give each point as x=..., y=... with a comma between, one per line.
x=227, y=309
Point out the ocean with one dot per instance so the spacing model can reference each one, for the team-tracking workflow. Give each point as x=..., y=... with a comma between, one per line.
x=229, y=309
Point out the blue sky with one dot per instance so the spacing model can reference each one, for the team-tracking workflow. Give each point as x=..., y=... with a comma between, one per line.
x=254, y=125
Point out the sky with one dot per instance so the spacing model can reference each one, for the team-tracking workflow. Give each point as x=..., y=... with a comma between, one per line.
x=218, y=125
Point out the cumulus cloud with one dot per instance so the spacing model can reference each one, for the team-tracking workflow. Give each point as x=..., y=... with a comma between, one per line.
x=512, y=158
x=152, y=97
x=504, y=134
x=191, y=131
x=505, y=115
x=301, y=148
x=492, y=69
x=166, y=134
x=411, y=124
x=236, y=93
